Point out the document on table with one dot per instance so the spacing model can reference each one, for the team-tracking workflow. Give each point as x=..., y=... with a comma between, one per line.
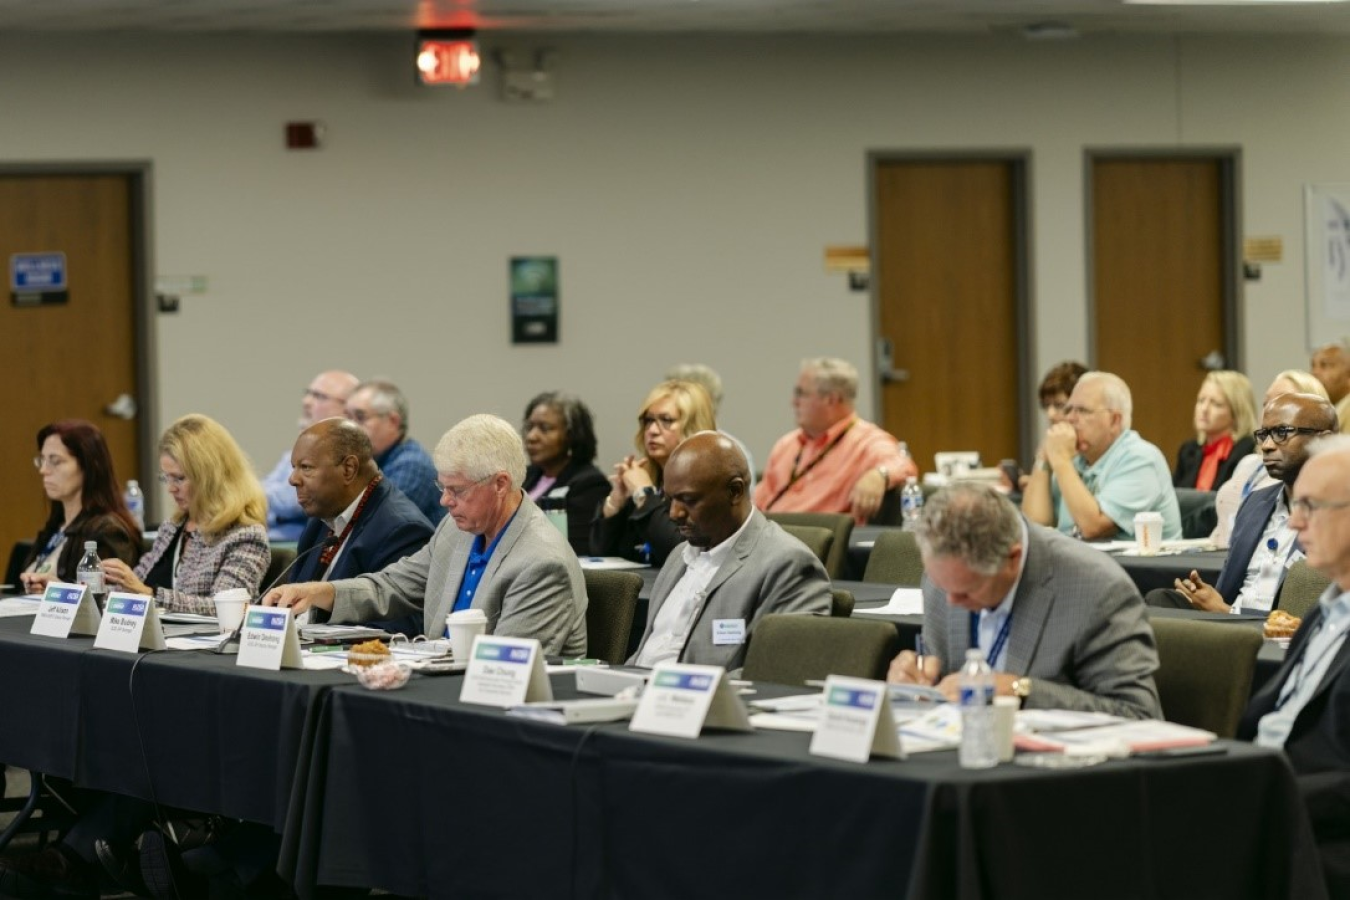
x=1119, y=738
x=904, y=602
x=194, y=642
x=609, y=563
x=1169, y=548
x=19, y=606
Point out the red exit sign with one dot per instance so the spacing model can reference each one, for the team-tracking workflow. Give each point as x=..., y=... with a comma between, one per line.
x=448, y=61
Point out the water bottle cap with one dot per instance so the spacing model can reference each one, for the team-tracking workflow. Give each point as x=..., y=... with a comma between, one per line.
x=975, y=653
x=132, y=483
x=91, y=545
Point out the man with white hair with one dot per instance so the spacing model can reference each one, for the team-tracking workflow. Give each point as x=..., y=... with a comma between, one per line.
x=835, y=461
x=495, y=551
x=1097, y=473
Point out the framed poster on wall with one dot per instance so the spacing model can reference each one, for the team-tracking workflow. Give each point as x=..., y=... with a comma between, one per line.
x=1327, y=258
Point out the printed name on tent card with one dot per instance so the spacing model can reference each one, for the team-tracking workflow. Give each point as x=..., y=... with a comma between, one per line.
x=130, y=624
x=66, y=609
x=269, y=639
x=855, y=721
x=680, y=700
x=505, y=672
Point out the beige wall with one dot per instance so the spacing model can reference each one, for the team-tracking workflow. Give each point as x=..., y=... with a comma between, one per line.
x=689, y=186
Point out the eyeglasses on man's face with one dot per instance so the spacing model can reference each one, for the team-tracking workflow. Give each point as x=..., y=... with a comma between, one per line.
x=1282, y=433
x=362, y=416
x=459, y=493
x=321, y=397
x=1307, y=507
x=1071, y=410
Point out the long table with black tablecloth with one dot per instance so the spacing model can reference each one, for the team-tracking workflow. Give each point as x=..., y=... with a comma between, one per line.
x=491, y=805
x=1147, y=572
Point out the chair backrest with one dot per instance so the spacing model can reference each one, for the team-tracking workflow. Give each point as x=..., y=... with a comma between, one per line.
x=17, y=555
x=795, y=648
x=891, y=511
x=282, y=556
x=841, y=603
x=1205, y=671
x=1198, y=515
x=818, y=540
x=1300, y=590
x=839, y=523
x=894, y=559
x=611, y=601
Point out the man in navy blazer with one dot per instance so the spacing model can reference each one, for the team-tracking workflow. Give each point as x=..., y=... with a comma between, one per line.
x=1264, y=543
x=365, y=521
x=1305, y=708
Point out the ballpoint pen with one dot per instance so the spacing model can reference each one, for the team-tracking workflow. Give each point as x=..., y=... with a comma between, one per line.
x=918, y=650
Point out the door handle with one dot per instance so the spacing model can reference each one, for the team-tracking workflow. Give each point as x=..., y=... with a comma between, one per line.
x=124, y=407
x=1213, y=361
x=886, y=363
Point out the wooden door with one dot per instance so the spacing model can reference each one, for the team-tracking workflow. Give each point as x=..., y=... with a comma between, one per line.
x=1162, y=268
x=69, y=360
x=947, y=269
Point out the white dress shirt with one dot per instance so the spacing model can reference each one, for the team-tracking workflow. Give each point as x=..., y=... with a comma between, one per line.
x=1318, y=654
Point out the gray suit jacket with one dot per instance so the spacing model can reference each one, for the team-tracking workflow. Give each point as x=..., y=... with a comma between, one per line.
x=768, y=571
x=1078, y=631
x=532, y=587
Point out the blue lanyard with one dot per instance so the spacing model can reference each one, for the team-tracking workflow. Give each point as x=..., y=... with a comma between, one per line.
x=999, y=640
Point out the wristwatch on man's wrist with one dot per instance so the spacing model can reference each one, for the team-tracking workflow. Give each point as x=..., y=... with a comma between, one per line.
x=1021, y=688
x=885, y=476
x=642, y=495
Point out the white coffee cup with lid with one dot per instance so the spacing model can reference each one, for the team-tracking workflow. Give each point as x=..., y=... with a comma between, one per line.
x=1148, y=533
x=463, y=626
x=230, y=607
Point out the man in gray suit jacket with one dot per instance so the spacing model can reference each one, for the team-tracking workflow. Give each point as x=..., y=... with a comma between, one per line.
x=1062, y=626
x=734, y=568
x=495, y=551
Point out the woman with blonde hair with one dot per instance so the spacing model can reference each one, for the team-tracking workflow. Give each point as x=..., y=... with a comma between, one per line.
x=634, y=521
x=1225, y=417
x=217, y=538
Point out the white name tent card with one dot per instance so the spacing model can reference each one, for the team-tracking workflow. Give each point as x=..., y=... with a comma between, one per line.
x=855, y=721
x=680, y=700
x=505, y=672
x=269, y=639
x=66, y=609
x=130, y=624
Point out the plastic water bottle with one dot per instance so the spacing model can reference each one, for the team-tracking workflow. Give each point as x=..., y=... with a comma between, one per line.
x=978, y=750
x=90, y=573
x=135, y=500
x=911, y=502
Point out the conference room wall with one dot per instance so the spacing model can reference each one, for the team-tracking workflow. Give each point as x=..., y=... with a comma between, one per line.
x=688, y=185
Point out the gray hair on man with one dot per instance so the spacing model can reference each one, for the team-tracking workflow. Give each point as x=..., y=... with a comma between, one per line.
x=481, y=446
x=833, y=376
x=385, y=398
x=701, y=375
x=1115, y=394
x=1332, y=443
x=971, y=522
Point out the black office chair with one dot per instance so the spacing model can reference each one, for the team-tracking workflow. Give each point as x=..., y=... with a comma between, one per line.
x=1205, y=669
x=611, y=604
x=1198, y=515
x=840, y=524
x=794, y=648
x=16, y=557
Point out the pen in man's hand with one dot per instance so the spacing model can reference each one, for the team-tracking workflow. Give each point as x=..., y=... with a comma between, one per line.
x=918, y=651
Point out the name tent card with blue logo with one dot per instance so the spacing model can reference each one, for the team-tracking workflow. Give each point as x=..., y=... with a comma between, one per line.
x=855, y=721
x=680, y=700
x=130, y=623
x=269, y=639
x=66, y=609
x=505, y=672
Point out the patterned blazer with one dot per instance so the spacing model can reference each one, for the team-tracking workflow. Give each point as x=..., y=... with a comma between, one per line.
x=237, y=558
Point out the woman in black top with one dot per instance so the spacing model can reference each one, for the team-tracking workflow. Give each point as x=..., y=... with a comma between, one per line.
x=562, y=478
x=634, y=521
x=77, y=476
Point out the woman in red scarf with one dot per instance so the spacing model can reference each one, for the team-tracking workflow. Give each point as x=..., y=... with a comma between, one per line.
x=1225, y=415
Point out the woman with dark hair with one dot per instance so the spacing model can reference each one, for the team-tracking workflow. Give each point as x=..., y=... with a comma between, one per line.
x=86, y=505
x=560, y=442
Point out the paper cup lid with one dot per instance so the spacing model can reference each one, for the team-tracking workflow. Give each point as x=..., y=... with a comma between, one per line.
x=466, y=617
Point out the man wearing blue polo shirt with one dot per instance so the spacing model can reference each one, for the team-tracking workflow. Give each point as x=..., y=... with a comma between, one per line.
x=1094, y=473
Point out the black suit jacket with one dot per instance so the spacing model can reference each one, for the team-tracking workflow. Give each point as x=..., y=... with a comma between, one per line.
x=1248, y=527
x=1191, y=453
x=586, y=489
x=388, y=529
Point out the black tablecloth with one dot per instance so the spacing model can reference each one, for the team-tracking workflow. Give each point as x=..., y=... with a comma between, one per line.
x=489, y=805
x=202, y=734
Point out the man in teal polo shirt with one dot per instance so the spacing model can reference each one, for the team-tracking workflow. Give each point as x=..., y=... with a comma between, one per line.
x=1094, y=473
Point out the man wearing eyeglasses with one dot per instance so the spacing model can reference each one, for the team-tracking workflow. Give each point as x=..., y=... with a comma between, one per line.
x=323, y=398
x=1098, y=473
x=834, y=461
x=380, y=408
x=1305, y=708
x=1264, y=543
x=495, y=551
